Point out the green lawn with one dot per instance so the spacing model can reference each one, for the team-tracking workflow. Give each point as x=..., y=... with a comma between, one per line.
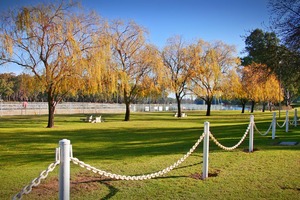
x=148, y=143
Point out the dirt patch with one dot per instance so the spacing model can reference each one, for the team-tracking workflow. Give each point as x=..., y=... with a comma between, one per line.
x=81, y=181
x=198, y=176
x=247, y=150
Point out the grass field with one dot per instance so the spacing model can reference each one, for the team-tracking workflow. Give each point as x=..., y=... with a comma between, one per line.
x=148, y=143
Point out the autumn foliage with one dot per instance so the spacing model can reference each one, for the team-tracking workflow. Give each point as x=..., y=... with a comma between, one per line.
x=68, y=52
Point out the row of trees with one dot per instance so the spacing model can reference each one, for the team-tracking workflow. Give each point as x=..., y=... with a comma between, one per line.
x=68, y=52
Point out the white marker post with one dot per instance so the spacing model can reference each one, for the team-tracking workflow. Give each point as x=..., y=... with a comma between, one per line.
x=295, y=118
x=274, y=126
x=287, y=121
x=205, y=151
x=64, y=170
x=251, y=133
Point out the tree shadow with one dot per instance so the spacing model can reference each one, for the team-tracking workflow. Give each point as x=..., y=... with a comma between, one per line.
x=112, y=190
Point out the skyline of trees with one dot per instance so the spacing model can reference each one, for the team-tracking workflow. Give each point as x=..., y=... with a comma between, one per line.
x=69, y=54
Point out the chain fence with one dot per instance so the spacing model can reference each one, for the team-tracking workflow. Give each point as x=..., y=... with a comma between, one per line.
x=281, y=126
x=233, y=147
x=43, y=175
x=266, y=133
x=141, y=177
x=293, y=122
x=35, y=182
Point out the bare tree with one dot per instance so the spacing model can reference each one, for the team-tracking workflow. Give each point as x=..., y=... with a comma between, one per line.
x=286, y=21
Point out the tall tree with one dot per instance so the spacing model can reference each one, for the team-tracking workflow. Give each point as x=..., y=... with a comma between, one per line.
x=264, y=49
x=178, y=72
x=133, y=60
x=251, y=84
x=260, y=86
x=288, y=73
x=270, y=92
x=235, y=87
x=54, y=42
x=285, y=20
x=211, y=63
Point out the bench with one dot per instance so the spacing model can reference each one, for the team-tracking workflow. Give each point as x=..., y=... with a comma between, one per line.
x=90, y=119
x=87, y=119
x=96, y=120
x=182, y=115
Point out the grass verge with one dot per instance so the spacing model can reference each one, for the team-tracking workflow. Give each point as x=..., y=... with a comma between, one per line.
x=148, y=143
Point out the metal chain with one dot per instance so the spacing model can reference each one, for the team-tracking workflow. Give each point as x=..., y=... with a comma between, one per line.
x=233, y=147
x=263, y=134
x=35, y=182
x=142, y=177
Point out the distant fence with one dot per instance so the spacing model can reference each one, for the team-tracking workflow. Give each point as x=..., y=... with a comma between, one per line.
x=41, y=108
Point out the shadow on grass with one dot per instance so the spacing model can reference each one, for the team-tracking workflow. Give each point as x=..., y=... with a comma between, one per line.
x=32, y=143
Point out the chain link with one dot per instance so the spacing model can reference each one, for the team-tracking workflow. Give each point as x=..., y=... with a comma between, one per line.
x=141, y=177
x=263, y=134
x=293, y=122
x=35, y=182
x=282, y=124
x=233, y=147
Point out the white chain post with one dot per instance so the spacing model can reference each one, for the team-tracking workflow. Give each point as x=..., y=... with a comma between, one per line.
x=205, y=151
x=64, y=170
x=295, y=118
x=274, y=126
x=287, y=121
x=251, y=133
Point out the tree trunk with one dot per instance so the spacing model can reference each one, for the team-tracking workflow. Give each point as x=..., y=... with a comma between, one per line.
x=270, y=106
x=208, y=107
x=243, y=107
x=264, y=107
x=127, y=114
x=51, y=110
x=252, y=106
x=178, y=105
x=127, y=103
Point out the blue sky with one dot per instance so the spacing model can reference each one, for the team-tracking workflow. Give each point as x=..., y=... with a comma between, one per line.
x=226, y=20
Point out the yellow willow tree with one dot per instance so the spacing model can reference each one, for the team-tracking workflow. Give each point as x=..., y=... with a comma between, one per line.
x=177, y=73
x=250, y=82
x=54, y=42
x=134, y=61
x=211, y=62
x=239, y=85
x=266, y=85
x=233, y=88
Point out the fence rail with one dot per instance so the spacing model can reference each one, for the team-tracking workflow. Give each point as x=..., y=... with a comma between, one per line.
x=41, y=108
